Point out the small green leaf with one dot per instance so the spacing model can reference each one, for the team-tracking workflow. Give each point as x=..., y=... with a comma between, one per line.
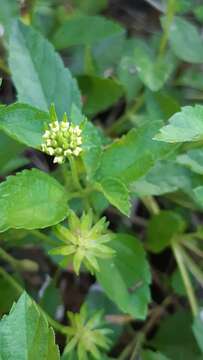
x=99, y=93
x=130, y=272
x=116, y=193
x=31, y=199
x=162, y=229
x=185, y=41
x=38, y=72
x=152, y=71
x=24, y=123
x=198, y=192
x=186, y=125
x=193, y=159
x=76, y=31
x=25, y=334
x=197, y=329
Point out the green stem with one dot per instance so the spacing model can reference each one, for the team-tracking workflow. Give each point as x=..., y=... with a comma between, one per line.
x=18, y=265
x=56, y=325
x=74, y=173
x=151, y=205
x=170, y=12
x=185, y=276
x=118, y=125
x=194, y=269
x=189, y=245
x=139, y=341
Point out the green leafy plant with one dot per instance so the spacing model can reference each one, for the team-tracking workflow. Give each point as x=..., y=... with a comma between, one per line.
x=101, y=188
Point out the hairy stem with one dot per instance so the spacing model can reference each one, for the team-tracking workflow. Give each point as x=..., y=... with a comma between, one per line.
x=185, y=277
x=170, y=12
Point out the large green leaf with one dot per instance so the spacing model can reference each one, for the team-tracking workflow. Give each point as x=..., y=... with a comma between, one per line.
x=162, y=228
x=38, y=72
x=24, y=123
x=185, y=41
x=129, y=270
x=76, y=31
x=186, y=125
x=25, y=334
x=133, y=155
x=31, y=199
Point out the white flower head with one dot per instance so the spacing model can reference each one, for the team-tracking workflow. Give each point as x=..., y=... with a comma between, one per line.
x=62, y=139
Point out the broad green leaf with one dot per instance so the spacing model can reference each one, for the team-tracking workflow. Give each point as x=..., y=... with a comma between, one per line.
x=99, y=93
x=129, y=270
x=38, y=72
x=161, y=104
x=165, y=177
x=116, y=193
x=174, y=337
x=25, y=333
x=185, y=41
x=24, y=123
x=13, y=150
x=153, y=72
x=152, y=355
x=76, y=31
x=31, y=199
x=197, y=329
x=193, y=159
x=162, y=228
x=186, y=125
x=133, y=155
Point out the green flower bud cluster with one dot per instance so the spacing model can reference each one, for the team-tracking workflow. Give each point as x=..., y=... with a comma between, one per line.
x=83, y=241
x=62, y=140
x=87, y=336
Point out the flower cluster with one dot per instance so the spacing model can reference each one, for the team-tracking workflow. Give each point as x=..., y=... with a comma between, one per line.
x=62, y=140
x=83, y=241
x=87, y=336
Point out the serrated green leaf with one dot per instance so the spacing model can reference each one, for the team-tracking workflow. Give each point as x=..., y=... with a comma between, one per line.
x=185, y=41
x=38, y=72
x=129, y=270
x=186, y=125
x=116, y=193
x=162, y=228
x=99, y=93
x=31, y=199
x=76, y=31
x=24, y=123
x=131, y=156
x=25, y=334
